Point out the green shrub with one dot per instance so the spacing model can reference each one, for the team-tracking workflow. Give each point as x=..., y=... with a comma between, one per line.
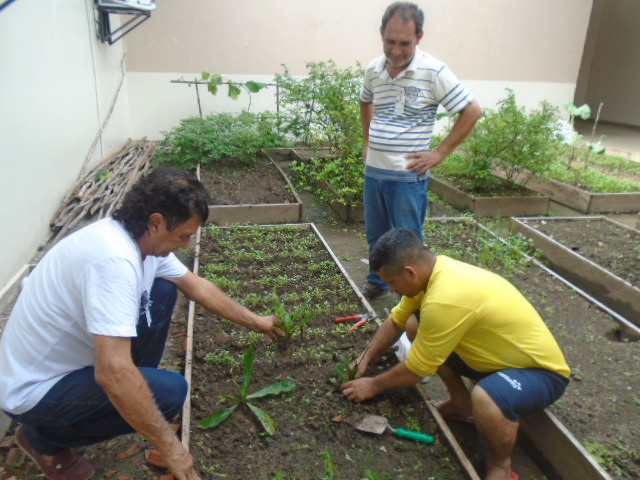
x=345, y=176
x=208, y=140
x=509, y=138
x=323, y=109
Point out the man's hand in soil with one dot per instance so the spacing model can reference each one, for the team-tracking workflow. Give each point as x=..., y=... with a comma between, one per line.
x=365, y=388
x=270, y=325
x=209, y=296
x=360, y=389
x=181, y=464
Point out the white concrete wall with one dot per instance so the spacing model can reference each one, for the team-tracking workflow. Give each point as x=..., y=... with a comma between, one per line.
x=57, y=86
x=157, y=104
x=535, y=48
x=58, y=82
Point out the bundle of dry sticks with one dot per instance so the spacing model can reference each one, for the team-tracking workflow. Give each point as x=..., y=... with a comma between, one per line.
x=100, y=190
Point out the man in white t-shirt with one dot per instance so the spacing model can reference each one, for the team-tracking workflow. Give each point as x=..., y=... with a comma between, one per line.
x=79, y=355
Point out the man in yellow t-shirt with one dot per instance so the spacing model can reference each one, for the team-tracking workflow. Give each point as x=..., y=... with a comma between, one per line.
x=472, y=323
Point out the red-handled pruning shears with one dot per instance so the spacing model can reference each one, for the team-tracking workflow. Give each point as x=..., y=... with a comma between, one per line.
x=360, y=320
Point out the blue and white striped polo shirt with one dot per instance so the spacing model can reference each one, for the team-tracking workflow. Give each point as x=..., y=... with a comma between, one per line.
x=405, y=112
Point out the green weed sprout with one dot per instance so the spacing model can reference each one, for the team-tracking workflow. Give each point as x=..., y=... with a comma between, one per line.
x=245, y=398
x=293, y=322
x=371, y=475
x=347, y=369
x=329, y=466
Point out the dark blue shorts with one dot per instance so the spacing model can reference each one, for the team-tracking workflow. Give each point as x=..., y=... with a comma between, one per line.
x=518, y=392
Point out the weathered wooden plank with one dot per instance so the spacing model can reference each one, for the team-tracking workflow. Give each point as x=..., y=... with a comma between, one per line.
x=556, y=450
x=262, y=213
x=533, y=204
x=577, y=198
x=258, y=214
x=596, y=280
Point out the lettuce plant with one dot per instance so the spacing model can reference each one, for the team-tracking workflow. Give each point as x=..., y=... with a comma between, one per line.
x=246, y=398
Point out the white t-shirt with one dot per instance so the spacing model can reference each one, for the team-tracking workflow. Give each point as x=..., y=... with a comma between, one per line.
x=92, y=282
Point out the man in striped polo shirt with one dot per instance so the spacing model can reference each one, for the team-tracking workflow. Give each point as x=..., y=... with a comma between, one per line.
x=400, y=96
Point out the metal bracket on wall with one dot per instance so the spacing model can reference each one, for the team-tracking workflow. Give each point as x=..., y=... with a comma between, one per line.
x=105, y=34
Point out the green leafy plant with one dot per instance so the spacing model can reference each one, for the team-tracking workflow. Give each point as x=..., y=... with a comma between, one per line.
x=294, y=321
x=221, y=357
x=346, y=369
x=510, y=139
x=592, y=178
x=322, y=109
x=486, y=249
x=342, y=174
x=575, y=139
x=214, y=80
x=606, y=457
x=211, y=139
x=371, y=475
x=329, y=466
x=245, y=398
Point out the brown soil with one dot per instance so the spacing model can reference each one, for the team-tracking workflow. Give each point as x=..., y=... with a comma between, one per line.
x=611, y=246
x=600, y=407
x=310, y=440
x=238, y=182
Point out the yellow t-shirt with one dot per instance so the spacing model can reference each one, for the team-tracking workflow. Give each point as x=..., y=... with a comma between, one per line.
x=481, y=317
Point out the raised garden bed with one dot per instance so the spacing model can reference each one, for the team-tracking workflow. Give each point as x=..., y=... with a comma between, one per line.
x=600, y=406
x=521, y=202
x=581, y=199
x=243, y=192
x=347, y=213
x=310, y=440
x=598, y=254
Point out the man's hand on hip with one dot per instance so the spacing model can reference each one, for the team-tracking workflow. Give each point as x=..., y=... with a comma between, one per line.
x=424, y=161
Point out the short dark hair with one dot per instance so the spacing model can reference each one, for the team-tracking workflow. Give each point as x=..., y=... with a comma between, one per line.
x=408, y=11
x=396, y=249
x=176, y=194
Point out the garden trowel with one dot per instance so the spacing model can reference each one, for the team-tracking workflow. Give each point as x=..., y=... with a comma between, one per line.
x=378, y=424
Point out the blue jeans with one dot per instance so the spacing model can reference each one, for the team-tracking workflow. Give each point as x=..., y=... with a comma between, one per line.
x=389, y=204
x=77, y=411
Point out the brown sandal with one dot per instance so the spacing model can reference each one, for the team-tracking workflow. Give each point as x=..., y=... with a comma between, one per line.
x=66, y=465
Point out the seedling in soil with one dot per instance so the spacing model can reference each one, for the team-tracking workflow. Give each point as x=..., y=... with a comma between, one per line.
x=371, y=475
x=222, y=357
x=292, y=322
x=329, y=466
x=347, y=368
x=245, y=398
